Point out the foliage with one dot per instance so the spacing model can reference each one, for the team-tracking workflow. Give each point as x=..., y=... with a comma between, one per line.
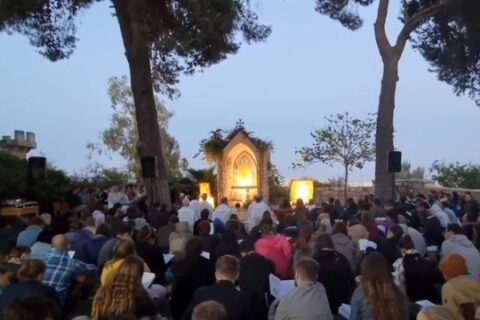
x=100, y=177
x=410, y=173
x=345, y=140
x=212, y=147
x=278, y=191
x=122, y=135
x=456, y=175
x=14, y=182
x=445, y=32
x=184, y=35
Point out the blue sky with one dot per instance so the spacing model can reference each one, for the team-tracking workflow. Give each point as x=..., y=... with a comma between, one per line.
x=310, y=67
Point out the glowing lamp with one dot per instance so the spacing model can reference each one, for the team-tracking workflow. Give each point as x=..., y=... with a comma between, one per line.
x=301, y=189
x=204, y=188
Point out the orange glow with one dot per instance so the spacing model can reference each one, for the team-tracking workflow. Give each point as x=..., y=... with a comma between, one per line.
x=301, y=189
x=204, y=188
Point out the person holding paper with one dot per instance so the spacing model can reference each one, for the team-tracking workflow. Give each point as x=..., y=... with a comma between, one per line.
x=224, y=292
x=378, y=297
x=309, y=299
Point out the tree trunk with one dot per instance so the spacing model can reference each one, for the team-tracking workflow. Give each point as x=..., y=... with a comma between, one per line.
x=135, y=35
x=384, y=180
x=345, y=186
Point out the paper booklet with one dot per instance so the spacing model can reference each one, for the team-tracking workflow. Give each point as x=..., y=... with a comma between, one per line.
x=147, y=279
x=344, y=310
x=279, y=288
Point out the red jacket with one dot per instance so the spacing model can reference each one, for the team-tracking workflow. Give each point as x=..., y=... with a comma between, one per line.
x=277, y=249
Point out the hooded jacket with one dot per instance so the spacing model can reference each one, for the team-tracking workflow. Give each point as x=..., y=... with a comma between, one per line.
x=344, y=245
x=277, y=249
x=460, y=244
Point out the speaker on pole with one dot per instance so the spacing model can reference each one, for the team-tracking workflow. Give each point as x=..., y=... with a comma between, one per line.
x=149, y=167
x=394, y=161
x=37, y=168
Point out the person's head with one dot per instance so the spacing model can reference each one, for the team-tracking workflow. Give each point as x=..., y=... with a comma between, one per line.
x=121, y=292
x=60, y=242
x=204, y=197
x=453, y=229
x=20, y=252
x=229, y=236
x=452, y=266
x=4, y=277
x=45, y=236
x=306, y=271
x=352, y=222
x=266, y=227
x=435, y=313
x=299, y=203
x=185, y=202
x=224, y=200
x=76, y=224
x=31, y=270
x=21, y=309
x=405, y=244
x=395, y=231
x=204, y=214
x=90, y=222
x=104, y=229
x=227, y=268
x=246, y=247
x=323, y=241
x=145, y=234
x=173, y=219
x=382, y=296
x=204, y=228
x=258, y=198
x=123, y=249
x=392, y=214
x=124, y=231
x=209, y=310
x=422, y=206
x=340, y=227
x=193, y=248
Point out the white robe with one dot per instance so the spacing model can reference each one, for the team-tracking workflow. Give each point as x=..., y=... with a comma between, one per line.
x=223, y=212
x=255, y=213
x=187, y=214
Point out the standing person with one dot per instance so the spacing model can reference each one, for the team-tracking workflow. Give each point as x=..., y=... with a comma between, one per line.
x=432, y=228
x=195, y=205
x=276, y=248
x=457, y=242
x=377, y=297
x=30, y=277
x=28, y=236
x=62, y=270
x=223, y=211
x=187, y=213
x=309, y=299
x=191, y=272
x=224, y=292
x=334, y=272
x=256, y=210
x=254, y=279
x=123, y=294
x=461, y=292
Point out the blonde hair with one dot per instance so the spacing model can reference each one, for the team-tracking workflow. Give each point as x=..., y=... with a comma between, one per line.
x=121, y=292
x=437, y=313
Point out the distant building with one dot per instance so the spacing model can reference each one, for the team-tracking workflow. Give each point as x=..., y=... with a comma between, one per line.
x=21, y=143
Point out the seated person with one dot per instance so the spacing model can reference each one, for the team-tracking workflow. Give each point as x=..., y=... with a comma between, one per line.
x=224, y=292
x=209, y=310
x=309, y=299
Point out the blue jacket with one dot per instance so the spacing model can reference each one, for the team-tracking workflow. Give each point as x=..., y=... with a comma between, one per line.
x=28, y=236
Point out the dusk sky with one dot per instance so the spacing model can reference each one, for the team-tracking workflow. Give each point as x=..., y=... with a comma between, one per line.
x=310, y=67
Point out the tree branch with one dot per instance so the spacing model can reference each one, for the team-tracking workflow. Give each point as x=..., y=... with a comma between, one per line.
x=381, y=38
x=415, y=21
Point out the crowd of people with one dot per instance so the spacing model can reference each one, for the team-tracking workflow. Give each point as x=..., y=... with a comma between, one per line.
x=111, y=257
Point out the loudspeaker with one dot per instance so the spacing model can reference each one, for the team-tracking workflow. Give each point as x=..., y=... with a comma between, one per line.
x=394, y=161
x=149, y=167
x=37, y=168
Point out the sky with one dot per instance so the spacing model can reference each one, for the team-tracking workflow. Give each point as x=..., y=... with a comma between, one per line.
x=310, y=67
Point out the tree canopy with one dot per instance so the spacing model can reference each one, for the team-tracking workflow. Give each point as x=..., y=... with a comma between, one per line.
x=456, y=175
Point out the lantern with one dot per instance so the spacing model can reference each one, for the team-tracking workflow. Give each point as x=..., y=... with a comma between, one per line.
x=301, y=189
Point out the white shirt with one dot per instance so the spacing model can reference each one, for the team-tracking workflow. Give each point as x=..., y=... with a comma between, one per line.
x=255, y=213
x=187, y=214
x=223, y=212
x=198, y=207
x=99, y=217
x=114, y=198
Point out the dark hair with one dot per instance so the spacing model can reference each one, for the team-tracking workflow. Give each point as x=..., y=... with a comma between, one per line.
x=173, y=219
x=30, y=270
x=392, y=214
x=455, y=228
x=17, y=252
x=396, y=230
x=266, y=226
x=204, y=227
x=193, y=247
x=229, y=236
x=124, y=228
x=76, y=224
x=46, y=236
x=305, y=231
x=323, y=241
x=204, y=214
x=145, y=234
x=246, y=246
x=123, y=249
x=353, y=222
x=21, y=309
x=406, y=243
x=340, y=227
x=104, y=229
x=423, y=204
